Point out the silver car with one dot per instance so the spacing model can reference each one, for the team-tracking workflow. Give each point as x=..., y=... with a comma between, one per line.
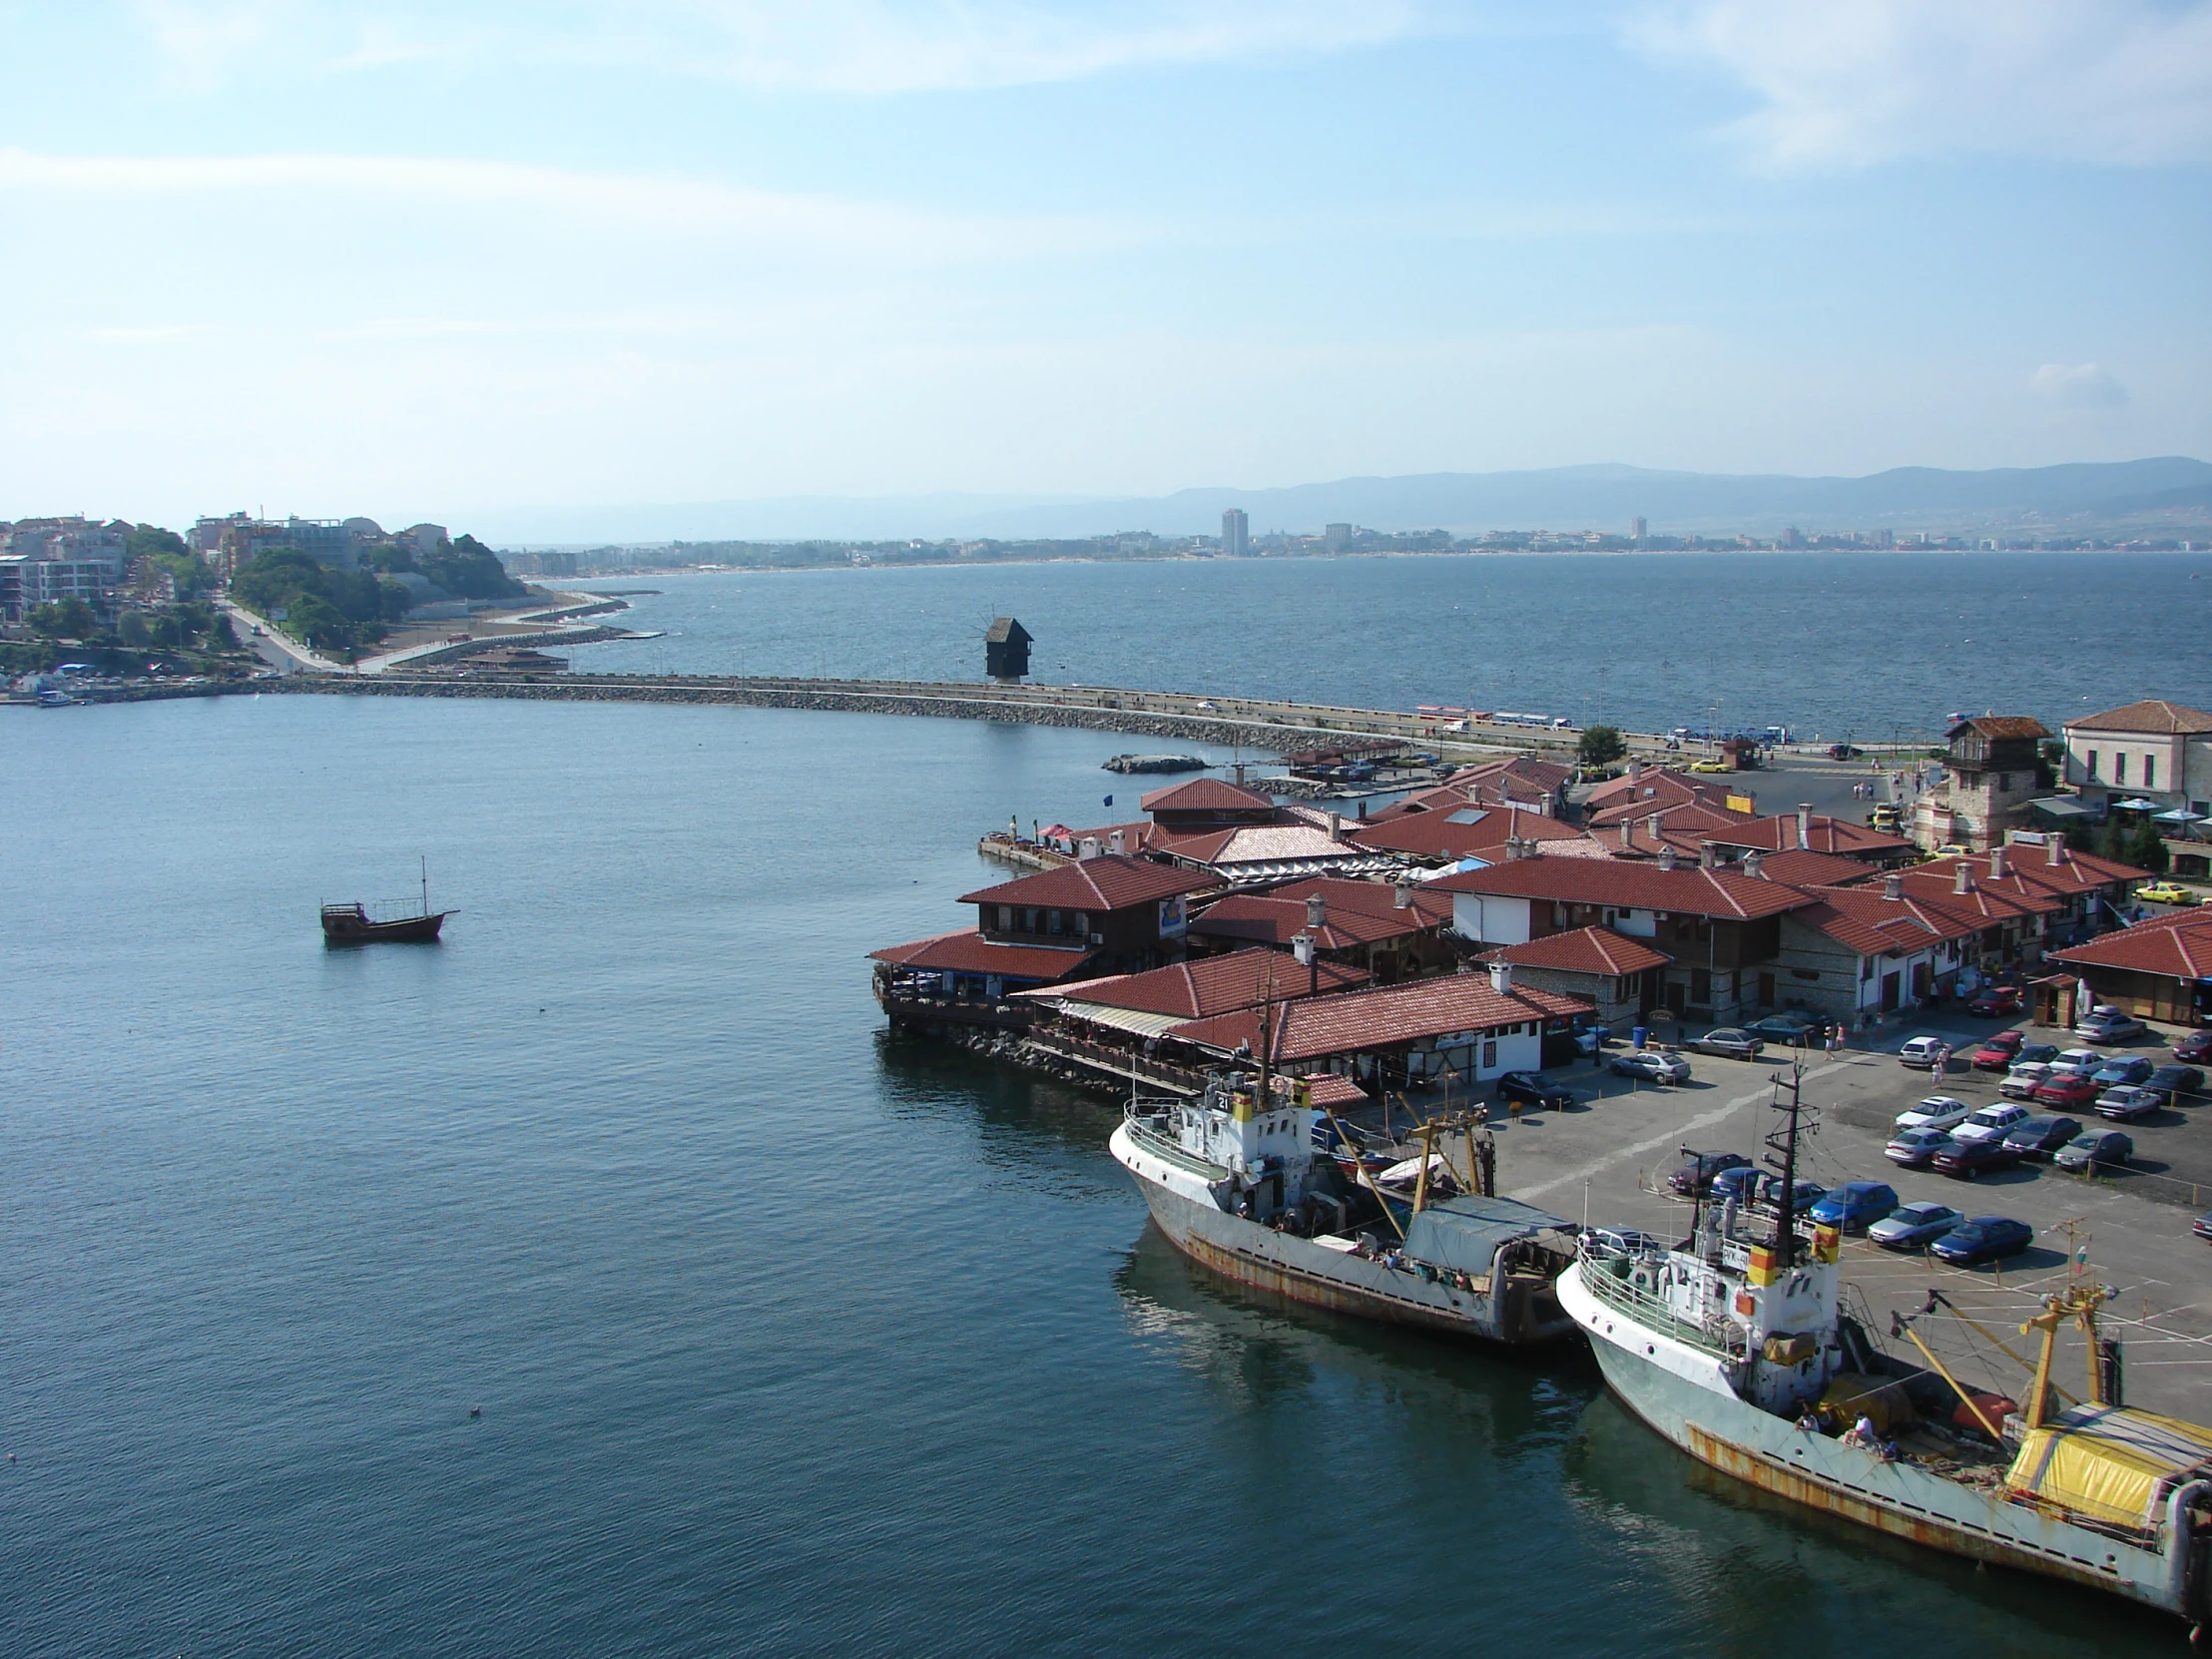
x=1651, y=1065
x=1729, y=1042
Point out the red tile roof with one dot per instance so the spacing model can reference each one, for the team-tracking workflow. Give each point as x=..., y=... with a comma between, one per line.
x=1657, y=791
x=1437, y=834
x=1832, y=835
x=1253, y=843
x=2030, y=872
x=1638, y=887
x=1205, y=795
x=1213, y=984
x=1107, y=882
x=968, y=951
x=2152, y=715
x=2175, y=947
x=1367, y=897
x=1585, y=950
x=1814, y=870
x=1999, y=727
x=1863, y=919
x=1270, y=920
x=1329, y=1091
x=1356, y=1021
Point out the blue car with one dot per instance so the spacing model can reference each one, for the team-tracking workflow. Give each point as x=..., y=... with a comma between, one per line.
x=2128, y=1068
x=1855, y=1204
x=1984, y=1239
x=1739, y=1183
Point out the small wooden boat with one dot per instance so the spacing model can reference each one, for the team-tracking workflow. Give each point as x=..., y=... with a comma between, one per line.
x=355, y=924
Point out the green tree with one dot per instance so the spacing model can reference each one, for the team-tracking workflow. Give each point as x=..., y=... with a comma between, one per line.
x=469, y=570
x=131, y=629
x=68, y=618
x=150, y=541
x=1601, y=746
x=315, y=619
x=2146, y=848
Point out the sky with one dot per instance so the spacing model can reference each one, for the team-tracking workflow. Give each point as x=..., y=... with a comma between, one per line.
x=328, y=257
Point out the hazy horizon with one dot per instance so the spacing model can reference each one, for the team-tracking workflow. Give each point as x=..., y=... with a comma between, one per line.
x=335, y=257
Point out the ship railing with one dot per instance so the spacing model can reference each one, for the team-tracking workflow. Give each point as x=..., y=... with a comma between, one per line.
x=1654, y=1312
x=1147, y=1120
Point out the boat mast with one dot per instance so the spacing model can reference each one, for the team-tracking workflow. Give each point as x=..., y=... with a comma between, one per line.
x=1786, y=1143
x=425, y=858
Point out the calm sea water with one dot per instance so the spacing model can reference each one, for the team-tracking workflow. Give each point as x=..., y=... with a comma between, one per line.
x=1863, y=645
x=786, y=1340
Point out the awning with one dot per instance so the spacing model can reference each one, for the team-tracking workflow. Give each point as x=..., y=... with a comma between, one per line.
x=1144, y=1025
x=2181, y=814
x=2063, y=807
x=2137, y=805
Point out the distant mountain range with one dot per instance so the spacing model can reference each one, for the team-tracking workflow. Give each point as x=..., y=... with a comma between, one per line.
x=1464, y=503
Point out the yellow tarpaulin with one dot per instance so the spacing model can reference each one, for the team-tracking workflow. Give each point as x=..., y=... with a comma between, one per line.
x=2109, y=1462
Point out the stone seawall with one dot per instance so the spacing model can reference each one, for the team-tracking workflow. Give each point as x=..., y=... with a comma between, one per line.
x=568, y=689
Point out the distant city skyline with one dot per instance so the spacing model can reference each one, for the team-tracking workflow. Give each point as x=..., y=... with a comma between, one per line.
x=484, y=256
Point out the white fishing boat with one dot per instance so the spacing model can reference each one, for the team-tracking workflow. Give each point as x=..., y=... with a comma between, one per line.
x=1735, y=1347
x=1234, y=1182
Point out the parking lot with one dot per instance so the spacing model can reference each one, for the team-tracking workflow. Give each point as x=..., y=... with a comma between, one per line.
x=1607, y=1159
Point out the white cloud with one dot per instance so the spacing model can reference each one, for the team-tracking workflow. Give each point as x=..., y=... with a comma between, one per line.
x=1856, y=81
x=2078, y=386
x=578, y=199
x=198, y=43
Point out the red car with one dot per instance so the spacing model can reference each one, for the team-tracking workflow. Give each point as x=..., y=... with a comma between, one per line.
x=1996, y=1054
x=2068, y=1090
x=1997, y=1002
x=2196, y=1047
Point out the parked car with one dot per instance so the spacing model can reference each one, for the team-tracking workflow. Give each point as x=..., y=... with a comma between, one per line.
x=1856, y=1204
x=2083, y=1060
x=1741, y=1183
x=2105, y=1148
x=1984, y=1239
x=2178, y=1085
x=1937, y=1111
x=1963, y=1160
x=1695, y=1176
x=2202, y=1227
x=2043, y=1052
x=1919, y=1053
x=1845, y=752
x=2127, y=1068
x=1998, y=1053
x=1730, y=1042
x=1997, y=1003
x=2022, y=1082
x=2165, y=893
x=1533, y=1090
x=1915, y=1148
x=1650, y=1064
x=2041, y=1137
x=1791, y=1027
x=2114, y=1028
x=1991, y=1123
x=1590, y=1039
x=1913, y=1226
x=2196, y=1047
x=2128, y=1102
x=1808, y=1193
x=2068, y=1090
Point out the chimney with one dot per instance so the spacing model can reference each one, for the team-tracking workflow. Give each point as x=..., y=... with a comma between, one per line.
x=1708, y=855
x=1118, y=842
x=1963, y=879
x=1755, y=864
x=2054, y=849
x=1335, y=825
x=1893, y=885
x=1502, y=979
x=1651, y=824
x=1088, y=848
x=1635, y=771
x=1998, y=871
x=1805, y=826
x=1401, y=896
x=1666, y=856
x=1628, y=833
x=1316, y=912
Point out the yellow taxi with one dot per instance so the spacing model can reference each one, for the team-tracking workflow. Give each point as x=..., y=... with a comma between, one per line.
x=1711, y=765
x=2165, y=893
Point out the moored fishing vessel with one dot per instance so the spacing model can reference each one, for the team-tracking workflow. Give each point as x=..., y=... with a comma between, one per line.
x=1735, y=1347
x=1234, y=1182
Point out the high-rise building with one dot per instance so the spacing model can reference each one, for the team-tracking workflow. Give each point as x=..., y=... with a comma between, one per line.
x=1636, y=529
x=1236, y=533
x=1334, y=538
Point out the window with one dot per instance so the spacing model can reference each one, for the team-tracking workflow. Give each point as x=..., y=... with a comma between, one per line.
x=1082, y=921
x=1489, y=1055
x=2004, y=781
x=2150, y=772
x=1865, y=968
x=2092, y=767
x=1005, y=918
x=1029, y=921
x=2119, y=771
x=1052, y=921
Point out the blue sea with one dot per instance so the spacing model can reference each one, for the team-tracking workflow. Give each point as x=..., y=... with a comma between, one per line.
x=1845, y=644
x=603, y=1281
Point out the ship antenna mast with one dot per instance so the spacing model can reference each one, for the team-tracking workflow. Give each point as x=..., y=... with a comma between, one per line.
x=1784, y=1142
